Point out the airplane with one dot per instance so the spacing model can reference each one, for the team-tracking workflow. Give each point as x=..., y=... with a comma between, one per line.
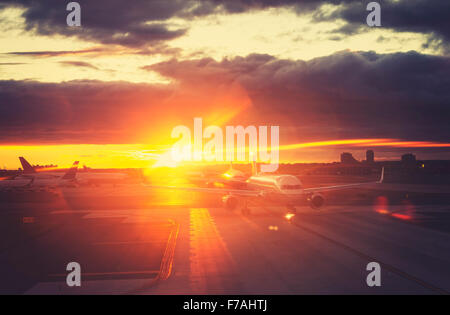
x=27, y=168
x=34, y=181
x=65, y=180
x=86, y=177
x=29, y=171
x=285, y=189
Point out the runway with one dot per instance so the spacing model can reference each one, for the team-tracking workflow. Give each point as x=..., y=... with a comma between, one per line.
x=172, y=248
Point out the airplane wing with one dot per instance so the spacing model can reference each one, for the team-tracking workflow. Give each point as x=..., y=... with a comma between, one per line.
x=255, y=193
x=222, y=191
x=345, y=186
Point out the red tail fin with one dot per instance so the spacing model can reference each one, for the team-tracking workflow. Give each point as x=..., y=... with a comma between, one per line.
x=27, y=168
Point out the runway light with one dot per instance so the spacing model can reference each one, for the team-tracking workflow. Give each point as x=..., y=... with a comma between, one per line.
x=289, y=216
x=273, y=227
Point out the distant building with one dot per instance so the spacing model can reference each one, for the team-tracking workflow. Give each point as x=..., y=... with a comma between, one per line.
x=408, y=158
x=347, y=158
x=370, y=156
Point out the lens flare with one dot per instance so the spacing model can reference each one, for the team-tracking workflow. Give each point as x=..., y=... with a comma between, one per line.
x=366, y=142
x=289, y=216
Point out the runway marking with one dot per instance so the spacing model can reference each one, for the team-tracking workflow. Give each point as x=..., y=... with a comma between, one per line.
x=152, y=276
x=369, y=258
x=383, y=264
x=166, y=265
x=211, y=264
x=167, y=260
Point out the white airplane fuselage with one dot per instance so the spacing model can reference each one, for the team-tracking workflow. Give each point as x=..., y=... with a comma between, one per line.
x=283, y=188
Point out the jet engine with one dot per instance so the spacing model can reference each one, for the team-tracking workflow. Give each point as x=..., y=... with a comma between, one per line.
x=230, y=202
x=316, y=201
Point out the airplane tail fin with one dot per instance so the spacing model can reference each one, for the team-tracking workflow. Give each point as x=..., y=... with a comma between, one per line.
x=380, y=181
x=27, y=168
x=70, y=174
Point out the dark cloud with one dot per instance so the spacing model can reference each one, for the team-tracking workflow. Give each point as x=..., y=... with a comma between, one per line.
x=77, y=111
x=421, y=16
x=344, y=95
x=156, y=49
x=402, y=95
x=56, y=53
x=139, y=23
x=131, y=23
x=102, y=112
x=238, y=6
x=81, y=64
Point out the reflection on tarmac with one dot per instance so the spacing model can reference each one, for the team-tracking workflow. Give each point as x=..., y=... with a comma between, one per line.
x=129, y=240
x=212, y=266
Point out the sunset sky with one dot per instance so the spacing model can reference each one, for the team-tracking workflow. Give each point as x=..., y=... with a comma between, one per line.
x=108, y=93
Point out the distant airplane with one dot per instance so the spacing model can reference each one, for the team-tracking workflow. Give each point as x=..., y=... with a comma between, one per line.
x=67, y=179
x=283, y=189
x=86, y=178
x=30, y=172
x=35, y=181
